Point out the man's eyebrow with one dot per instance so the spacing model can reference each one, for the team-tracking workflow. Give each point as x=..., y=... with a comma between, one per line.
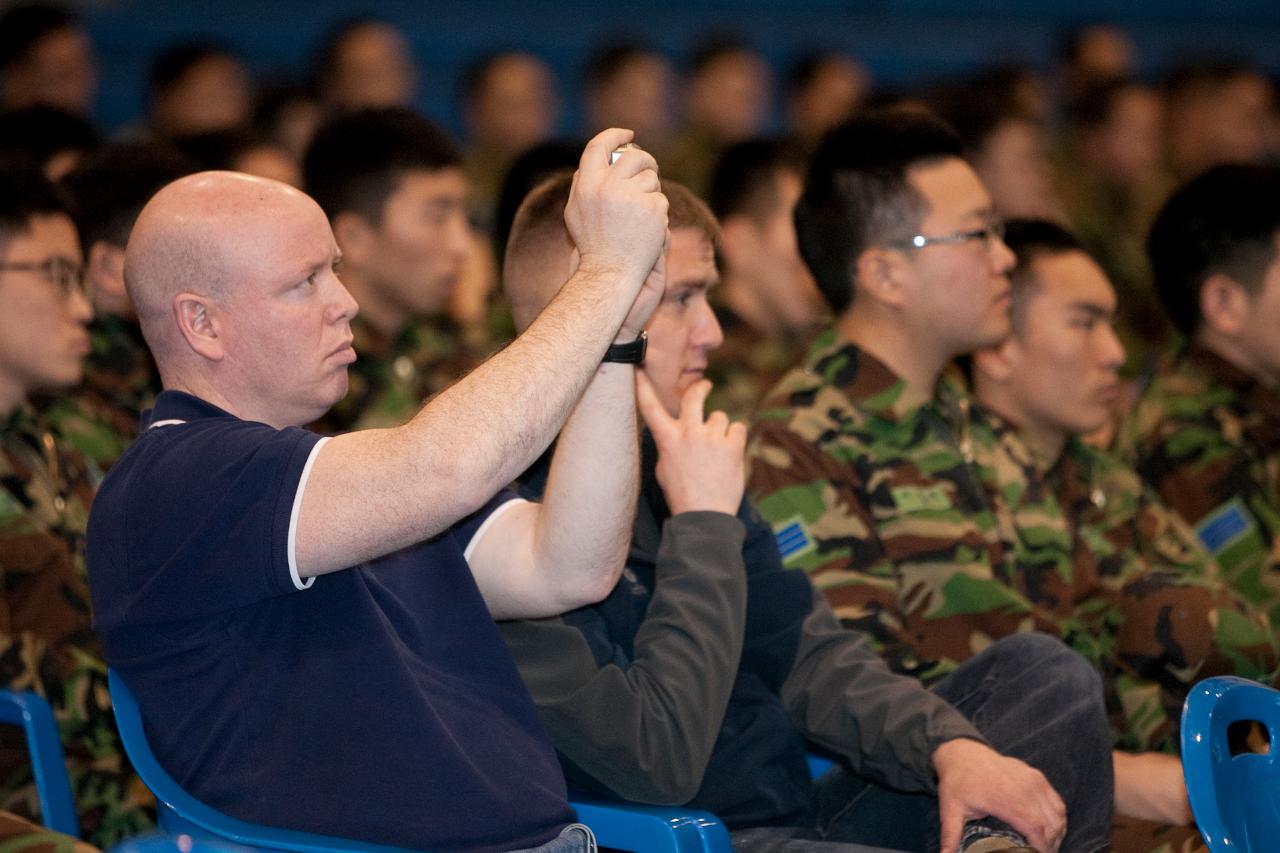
x=693, y=284
x=1095, y=309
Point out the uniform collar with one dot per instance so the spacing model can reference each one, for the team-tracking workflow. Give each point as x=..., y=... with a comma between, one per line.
x=180, y=407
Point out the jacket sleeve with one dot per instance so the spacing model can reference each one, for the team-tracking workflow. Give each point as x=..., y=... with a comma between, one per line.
x=645, y=730
x=845, y=700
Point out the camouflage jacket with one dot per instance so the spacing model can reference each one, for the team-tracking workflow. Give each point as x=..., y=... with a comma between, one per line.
x=932, y=530
x=100, y=418
x=391, y=379
x=46, y=643
x=747, y=365
x=1206, y=435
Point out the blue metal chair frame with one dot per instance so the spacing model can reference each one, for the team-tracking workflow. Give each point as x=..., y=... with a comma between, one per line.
x=625, y=826
x=44, y=747
x=1235, y=799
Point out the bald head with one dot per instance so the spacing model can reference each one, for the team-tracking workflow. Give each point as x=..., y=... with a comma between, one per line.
x=205, y=234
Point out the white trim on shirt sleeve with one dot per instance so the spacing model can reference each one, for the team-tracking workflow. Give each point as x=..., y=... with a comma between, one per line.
x=484, y=526
x=293, y=518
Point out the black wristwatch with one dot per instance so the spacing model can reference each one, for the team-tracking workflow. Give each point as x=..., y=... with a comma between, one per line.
x=632, y=353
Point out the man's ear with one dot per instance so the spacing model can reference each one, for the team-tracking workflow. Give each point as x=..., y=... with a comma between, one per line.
x=198, y=324
x=106, y=272
x=355, y=238
x=1224, y=304
x=880, y=273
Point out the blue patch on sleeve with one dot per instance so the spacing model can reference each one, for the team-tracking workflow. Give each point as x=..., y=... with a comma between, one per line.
x=792, y=539
x=1223, y=527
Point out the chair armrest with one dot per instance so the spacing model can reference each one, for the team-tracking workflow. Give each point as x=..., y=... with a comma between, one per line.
x=44, y=745
x=652, y=829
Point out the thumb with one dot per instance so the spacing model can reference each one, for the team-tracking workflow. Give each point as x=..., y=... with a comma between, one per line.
x=951, y=816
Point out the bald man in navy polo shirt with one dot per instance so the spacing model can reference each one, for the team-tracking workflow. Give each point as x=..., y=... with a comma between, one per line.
x=307, y=622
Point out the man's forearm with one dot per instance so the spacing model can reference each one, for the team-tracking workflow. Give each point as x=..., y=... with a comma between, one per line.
x=377, y=491
x=584, y=525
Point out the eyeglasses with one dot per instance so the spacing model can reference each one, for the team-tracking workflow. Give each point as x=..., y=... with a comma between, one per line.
x=989, y=233
x=63, y=274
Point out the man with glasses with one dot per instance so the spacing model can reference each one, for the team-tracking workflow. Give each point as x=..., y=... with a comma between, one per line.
x=46, y=641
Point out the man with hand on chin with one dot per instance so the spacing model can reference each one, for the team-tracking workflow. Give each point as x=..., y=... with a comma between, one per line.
x=709, y=670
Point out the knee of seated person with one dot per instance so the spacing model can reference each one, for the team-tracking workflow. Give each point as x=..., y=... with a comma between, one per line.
x=1050, y=660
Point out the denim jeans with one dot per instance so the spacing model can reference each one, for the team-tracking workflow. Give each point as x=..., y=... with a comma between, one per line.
x=1032, y=698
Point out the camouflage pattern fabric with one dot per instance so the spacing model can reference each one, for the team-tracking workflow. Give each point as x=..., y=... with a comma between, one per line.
x=1206, y=435
x=46, y=644
x=100, y=418
x=747, y=365
x=391, y=379
x=931, y=530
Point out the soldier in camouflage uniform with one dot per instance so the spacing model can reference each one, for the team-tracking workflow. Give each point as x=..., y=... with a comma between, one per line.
x=1206, y=434
x=108, y=190
x=767, y=304
x=46, y=644
x=916, y=514
x=393, y=188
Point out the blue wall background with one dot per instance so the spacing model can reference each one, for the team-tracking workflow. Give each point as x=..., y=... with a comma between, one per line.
x=900, y=40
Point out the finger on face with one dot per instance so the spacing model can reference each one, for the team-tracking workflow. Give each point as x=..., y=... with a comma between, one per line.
x=693, y=401
x=655, y=415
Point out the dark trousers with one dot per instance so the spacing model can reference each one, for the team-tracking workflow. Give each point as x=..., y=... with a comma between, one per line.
x=1033, y=699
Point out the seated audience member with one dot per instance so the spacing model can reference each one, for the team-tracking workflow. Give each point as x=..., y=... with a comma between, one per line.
x=45, y=490
x=1219, y=113
x=1206, y=434
x=120, y=379
x=823, y=90
x=867, y=460
x=1007, y=147
x=630, y=85
x=1114, y=180
x=198, y=87
x=509, y=103
x=705, y=673
x=362, y=63
x=1094, y=54
x=395, y=193
x=728, y=92
x=1140, y=597
x=46, y=59
x=767, y=304
x=308, y=622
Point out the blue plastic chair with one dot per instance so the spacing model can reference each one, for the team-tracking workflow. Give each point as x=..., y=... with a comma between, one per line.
x=44, y=748
x=1235, y=799
x=625, y=826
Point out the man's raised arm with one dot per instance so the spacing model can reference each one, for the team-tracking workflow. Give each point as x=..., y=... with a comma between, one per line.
x=373, y=492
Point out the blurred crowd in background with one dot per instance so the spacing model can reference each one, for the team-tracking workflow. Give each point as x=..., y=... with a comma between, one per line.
x=1090, y=144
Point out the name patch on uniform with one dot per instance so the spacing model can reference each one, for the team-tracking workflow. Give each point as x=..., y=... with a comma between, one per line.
x=1224, y=526
x=917, y=498
x=793, y=539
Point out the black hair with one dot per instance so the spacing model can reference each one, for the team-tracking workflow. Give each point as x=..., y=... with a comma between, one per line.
x=743, y=178
x=176, y=62
x=40, y=132
x=1224, y=221
x=1031, y=239
x=530, y=169
x=715, y=47
x=857, y=191
x=26, y=193
x=609, y=61
x=356, y=160
x=23, y=26
x=109, y=189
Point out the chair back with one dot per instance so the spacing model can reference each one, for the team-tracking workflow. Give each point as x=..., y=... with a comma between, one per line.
x=44, y=748
x=1235, y=798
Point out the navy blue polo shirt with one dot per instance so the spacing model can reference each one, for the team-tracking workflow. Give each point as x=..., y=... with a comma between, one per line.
x=376, y=703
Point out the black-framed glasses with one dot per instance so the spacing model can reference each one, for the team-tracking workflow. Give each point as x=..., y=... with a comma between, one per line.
x=988, y=234
x=63, y=274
